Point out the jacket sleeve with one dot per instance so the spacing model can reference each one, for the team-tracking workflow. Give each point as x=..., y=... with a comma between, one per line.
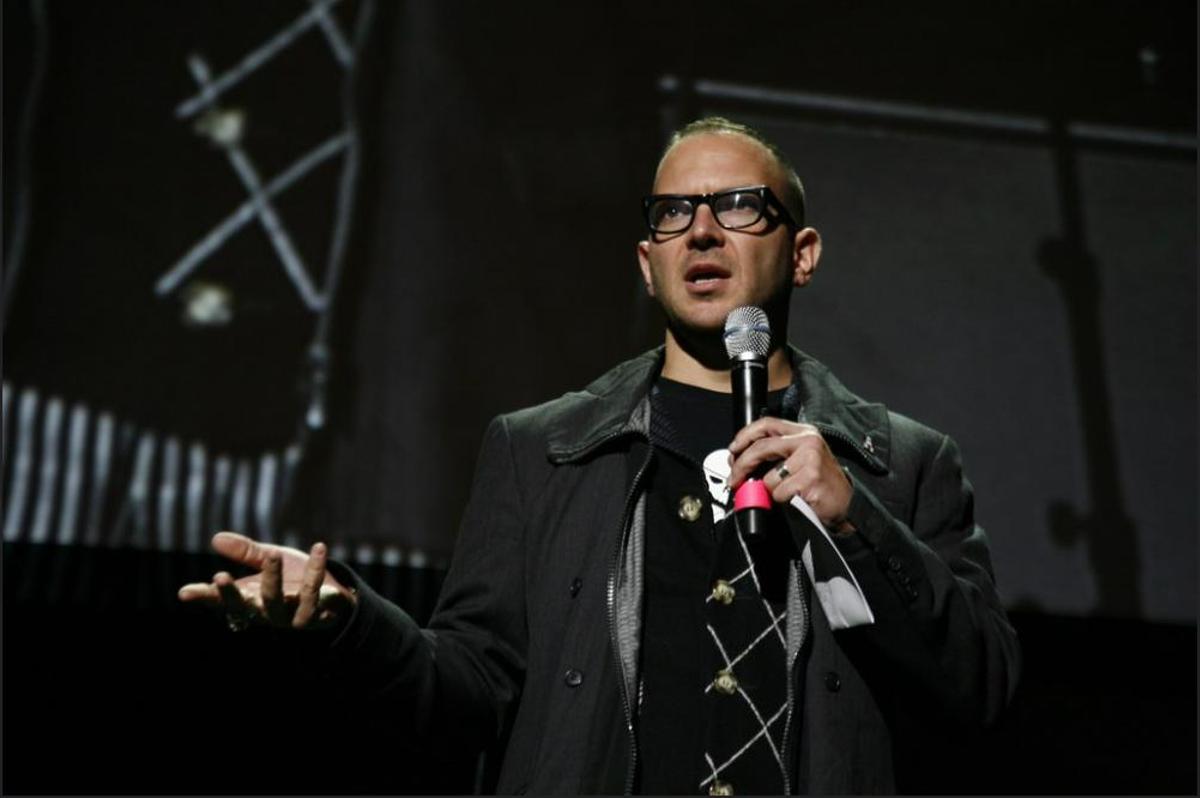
x=940, y=628
x=458, y=679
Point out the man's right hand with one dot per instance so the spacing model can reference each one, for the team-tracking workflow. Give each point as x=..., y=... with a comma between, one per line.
x=291, y=589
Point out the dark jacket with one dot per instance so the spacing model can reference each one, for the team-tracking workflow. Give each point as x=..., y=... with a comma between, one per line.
x=535, y=636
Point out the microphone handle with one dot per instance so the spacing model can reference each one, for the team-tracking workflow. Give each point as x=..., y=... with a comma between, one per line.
x=749, y=381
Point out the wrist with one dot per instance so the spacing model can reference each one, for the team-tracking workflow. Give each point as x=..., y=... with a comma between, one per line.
x=841, y=527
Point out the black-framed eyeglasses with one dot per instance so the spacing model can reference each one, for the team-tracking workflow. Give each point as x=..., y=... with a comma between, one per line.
x=734, y=209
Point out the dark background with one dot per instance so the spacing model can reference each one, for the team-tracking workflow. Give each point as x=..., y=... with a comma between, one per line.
x=1007, y=193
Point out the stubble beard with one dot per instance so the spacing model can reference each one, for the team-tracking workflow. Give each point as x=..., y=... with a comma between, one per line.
x=706, y=344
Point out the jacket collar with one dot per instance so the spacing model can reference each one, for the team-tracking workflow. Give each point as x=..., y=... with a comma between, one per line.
x=616, y=405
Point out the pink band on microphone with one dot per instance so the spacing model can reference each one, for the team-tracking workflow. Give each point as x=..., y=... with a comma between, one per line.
x=752, y=493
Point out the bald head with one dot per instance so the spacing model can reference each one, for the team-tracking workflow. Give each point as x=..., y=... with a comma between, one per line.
x=792, y=194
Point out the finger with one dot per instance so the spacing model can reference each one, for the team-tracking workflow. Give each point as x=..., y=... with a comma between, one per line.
x=781, y=471
x=798, y=485
x=314, y=577
x=751, y=432
x=767, y=450
x=231, y=596
x=240, y=548
x=271, y=590
x=762, y=428
x=203, y=592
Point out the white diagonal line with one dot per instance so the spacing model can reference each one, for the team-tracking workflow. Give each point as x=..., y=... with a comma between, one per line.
x=762, y=724
x=744, y=748
x=168, y=493
x=720, y=648
x=138, y=498
x=6, y=391
x=712, y=766
x=246, y=212
x=756, y=641
x=292, y=264
x=264, y=500
x=47, y=493
x=218, y=515
x=757, y=586
x=197, y=467
x=241, y=496
x=101, y=461
x=252, y=61
x=733, y=581
x=73, y=481
x=337, y=42
x=14, y=504
x=280, y=240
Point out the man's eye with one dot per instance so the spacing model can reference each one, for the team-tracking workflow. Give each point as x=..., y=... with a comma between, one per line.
x=667, y=211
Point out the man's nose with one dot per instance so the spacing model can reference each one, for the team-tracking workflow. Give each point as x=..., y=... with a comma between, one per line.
x=705, y=232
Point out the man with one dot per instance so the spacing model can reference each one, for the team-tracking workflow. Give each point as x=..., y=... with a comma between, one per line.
x=604, y=614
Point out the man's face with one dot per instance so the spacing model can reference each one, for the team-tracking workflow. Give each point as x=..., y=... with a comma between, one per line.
x=701, y=274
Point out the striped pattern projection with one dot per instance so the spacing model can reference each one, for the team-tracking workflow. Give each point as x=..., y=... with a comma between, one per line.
x=77, y=475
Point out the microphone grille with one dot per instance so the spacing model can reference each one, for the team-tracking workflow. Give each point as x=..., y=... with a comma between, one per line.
x=747, y=330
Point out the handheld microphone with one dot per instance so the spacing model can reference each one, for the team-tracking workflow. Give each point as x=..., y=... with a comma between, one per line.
x=747, y=342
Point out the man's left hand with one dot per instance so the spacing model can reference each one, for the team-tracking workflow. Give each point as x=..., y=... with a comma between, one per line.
x=801, y=464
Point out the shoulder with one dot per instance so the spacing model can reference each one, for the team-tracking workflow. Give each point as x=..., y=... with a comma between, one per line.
x=915, y=444
x=603, y=405
x=898, y=439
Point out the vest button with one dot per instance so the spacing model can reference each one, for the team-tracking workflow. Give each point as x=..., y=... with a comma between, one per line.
x=726, y=682
x=833, y=682
x=573, y=678
x=576, y=584
x=723, y=592
x=690, y=507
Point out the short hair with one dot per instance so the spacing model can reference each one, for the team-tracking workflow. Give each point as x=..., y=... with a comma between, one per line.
x=793, y=198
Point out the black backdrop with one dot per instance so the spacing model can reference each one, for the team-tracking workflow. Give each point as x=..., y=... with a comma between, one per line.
x=489, y=266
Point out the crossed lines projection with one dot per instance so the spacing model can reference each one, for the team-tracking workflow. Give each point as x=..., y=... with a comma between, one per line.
x=224, y=127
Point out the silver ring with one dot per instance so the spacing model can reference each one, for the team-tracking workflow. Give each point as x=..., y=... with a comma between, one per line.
x=237, y=623
x=783, y=472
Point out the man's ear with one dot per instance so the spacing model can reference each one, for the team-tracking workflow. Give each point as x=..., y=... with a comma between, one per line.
x=643, y=254
x=806, y=251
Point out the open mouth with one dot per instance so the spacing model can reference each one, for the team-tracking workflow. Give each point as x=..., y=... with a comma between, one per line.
x=705, y=274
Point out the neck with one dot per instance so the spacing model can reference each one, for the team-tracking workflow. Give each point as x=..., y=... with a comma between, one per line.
x=681, y=365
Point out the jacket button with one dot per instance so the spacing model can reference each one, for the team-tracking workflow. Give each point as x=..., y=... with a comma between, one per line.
x=723, y=592
x=894, y=563
x=573, y=678
x=720, y=788
x=726, y=682
x=833, y=682
x=690, y=507
x=576, y=583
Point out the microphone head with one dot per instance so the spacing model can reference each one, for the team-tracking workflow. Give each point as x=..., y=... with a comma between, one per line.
x=747, y=330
